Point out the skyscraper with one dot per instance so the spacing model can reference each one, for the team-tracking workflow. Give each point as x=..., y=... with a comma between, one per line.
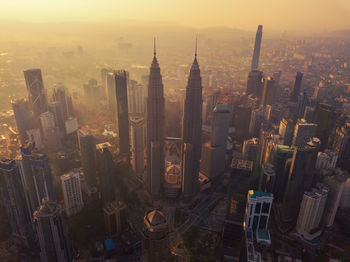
x=155, y=238
x=311, y=211
x=36, y=91
x=121, y=80
x=111, y=96
x=105, y=171
x=297, y=87
x=256, y=54
x=52, y=233
x=303, y=131
x=214, y=152
x=268, y=96
x=42, y=176
x=87, y=148
x=192, y=129
x=24, y=118
x=115, y=218
x=137, y=126
x=254, y=83
x=136, y=99
x=14, y=199
x=72, y=196
x=155, y=129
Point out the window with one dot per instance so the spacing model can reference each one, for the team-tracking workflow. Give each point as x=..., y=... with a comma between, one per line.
x=263, y=222
x=257, y=208
x=265, y=208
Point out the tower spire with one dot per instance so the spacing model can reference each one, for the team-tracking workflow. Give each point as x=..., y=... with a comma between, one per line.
x=195, y=51
x=154, y=46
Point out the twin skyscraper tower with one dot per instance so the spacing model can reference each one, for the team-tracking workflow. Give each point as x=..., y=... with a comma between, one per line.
x=191, y=131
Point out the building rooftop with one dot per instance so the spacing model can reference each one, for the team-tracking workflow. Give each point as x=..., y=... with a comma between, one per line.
x=255, y=194
x=156, y=217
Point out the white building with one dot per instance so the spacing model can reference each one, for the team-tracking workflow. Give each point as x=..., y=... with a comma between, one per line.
x=71, y=189
x=311, y=211
x=34, y=136
x=326, y=160
x=137, y=144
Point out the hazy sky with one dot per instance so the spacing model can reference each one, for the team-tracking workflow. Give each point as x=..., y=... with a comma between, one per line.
x=274, y=14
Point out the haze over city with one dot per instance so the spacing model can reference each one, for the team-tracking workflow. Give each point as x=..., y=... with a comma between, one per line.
x=163, y=131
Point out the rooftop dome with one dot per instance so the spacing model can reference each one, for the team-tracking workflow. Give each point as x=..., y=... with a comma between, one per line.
x=156, y=217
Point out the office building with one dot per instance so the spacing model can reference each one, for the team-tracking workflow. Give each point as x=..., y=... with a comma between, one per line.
x=105, y=171
x=341, y=144
x=115, y=218
x=303, y=102
x=325, y=116
x=52, y=233
x=311, y=211
x=61, y=95
x=255, y=84
x=209, y=102
x=137, y=133
x=87, y=148
x=155, y=238
x=345, y=198
x=50, y=130
x=192, y=130
x=250, y=149
x=121, y=83
x=214, y=152
x=72, y=196
x=136, y=99
x=155, y=130
x=24, y=118
x=301, y=176
x=34, y=136
x=269, y=91
x=326, y=160
x=286, y=130
x=336, y=184
x=303, y=131
x=241, y=121
x=42, y=176
x=297, y=87
x=257, y=46
x=258, y=117
x=16, y=204
x=111, y=93
x=36, y=91
x=309, y=114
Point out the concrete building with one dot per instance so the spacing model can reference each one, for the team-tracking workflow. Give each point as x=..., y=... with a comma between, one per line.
x=297, y=87
x=24, y=118
x=155, y=238
x=269, y=91
x=137, y=134
x=286, y=130
x=72, y=196
x=311, y=211
x=326, y=160
x=345, y=198
x=115, y=218
x=250, y=149
x=303, y=132
x=52, y=233
x=34, y=136
x=255, y=84
x=111, y=93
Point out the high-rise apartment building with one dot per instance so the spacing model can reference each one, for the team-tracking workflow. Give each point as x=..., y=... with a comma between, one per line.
x=36, y=91
x=257, y=46
x=192, y=130
x=136, y=99
x=72, y=196
x=155, y=130
x=52, y=233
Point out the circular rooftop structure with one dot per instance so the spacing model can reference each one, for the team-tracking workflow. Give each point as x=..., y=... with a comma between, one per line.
x=156, y=218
